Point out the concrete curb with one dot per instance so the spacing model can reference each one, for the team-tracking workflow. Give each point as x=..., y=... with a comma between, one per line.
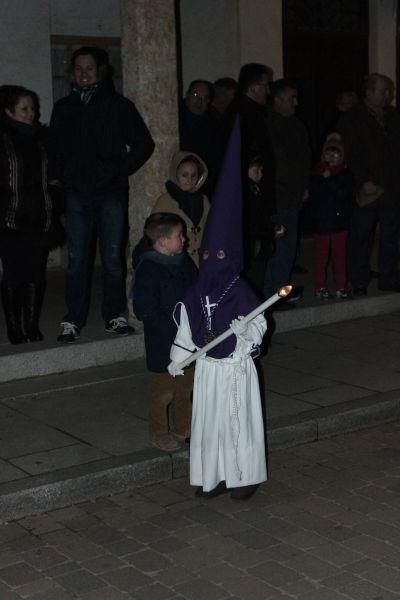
x=77, y=484
x=85, y=354
x=43, y=493
x=70, y=357
x=334, y=312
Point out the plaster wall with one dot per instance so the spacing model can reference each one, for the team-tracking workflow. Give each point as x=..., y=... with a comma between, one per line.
x=218, y=37
x=99, y=18
x=25, y=48
x=382, y=39
x=209, y=38
x=260, y=33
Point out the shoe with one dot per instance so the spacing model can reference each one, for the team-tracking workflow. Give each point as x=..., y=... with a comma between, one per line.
x=217, y=491
x=322, y=294
x=165, y=443
x=299, y=269
x=343, y=294
x=296, y=294
x=243, y=493
x=389, y=287
x=119, y=326
x=360, y=290
x=69, y=333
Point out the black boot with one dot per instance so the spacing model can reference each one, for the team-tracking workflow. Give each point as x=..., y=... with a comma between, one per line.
x=32, y=304
x=11, y=297
x=244, y=493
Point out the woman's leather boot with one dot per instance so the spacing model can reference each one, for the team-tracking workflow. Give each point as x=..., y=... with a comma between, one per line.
x=32, y=306
x=11, y=297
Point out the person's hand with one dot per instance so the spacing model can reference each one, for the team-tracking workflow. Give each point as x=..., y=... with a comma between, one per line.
x=369, y=188
x=174, y=370
x=279, y=231
x=55, y=183
x=305, y=195
x=238, y=327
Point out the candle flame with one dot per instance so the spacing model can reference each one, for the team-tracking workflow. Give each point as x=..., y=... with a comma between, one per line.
x=285, y=291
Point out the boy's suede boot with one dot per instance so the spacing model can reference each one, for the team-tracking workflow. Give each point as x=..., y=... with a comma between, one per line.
x=181, y=405
x=160, y=396
x=11, y=296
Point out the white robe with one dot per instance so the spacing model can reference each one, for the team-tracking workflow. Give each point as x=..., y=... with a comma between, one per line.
x=227, y=434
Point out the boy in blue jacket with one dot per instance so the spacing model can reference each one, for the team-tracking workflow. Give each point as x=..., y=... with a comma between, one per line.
x=163, y=273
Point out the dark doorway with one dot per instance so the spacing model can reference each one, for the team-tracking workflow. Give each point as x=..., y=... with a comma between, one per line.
x=397, y=56
x=325, y=50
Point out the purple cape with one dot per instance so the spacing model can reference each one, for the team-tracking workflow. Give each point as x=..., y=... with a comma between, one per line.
x=239, y=301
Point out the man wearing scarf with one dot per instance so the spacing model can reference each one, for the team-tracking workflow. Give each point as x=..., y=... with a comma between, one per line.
x=98, y=140
x=227, y=450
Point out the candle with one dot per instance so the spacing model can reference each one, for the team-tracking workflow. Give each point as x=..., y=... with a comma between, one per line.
x=281, y=293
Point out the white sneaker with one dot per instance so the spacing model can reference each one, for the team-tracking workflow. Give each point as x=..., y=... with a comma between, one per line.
x=69, y=334
x=119, y=326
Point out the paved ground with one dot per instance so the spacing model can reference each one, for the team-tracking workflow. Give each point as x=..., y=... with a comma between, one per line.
x=325, y=527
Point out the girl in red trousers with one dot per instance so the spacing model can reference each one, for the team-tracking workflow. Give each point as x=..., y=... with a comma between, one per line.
x=331, y=195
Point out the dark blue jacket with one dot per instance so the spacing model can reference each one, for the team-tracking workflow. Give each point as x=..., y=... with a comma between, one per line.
x=331, y=202
x=90, y=142
x=160, y=282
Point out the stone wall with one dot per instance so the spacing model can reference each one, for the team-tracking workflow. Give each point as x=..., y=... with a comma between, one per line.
x=25, y=48
x=382, y=37
x=150, y=80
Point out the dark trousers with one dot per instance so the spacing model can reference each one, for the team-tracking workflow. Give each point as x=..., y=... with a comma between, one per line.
x=24, y=258
x=363, y=223
x=108, y=212
x=279, y=267
x=337, y=244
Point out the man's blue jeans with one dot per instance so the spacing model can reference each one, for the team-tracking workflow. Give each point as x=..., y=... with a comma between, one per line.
x=83, y=212
x=280, y=265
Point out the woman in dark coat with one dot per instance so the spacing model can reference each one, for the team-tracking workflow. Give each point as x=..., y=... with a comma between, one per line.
x=26, y=213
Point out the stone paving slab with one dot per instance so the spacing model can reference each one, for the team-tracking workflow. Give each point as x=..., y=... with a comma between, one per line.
x=294, y=539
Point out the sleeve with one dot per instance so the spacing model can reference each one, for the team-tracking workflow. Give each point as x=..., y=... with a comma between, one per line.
x=55, y=161
x=306, y=155
x=252, y=338
x=183, y=345
x=137, y=137
x=146, y=295
x=354, y=150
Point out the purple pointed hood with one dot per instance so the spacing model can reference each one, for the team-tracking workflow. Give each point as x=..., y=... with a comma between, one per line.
x=223, y=230
x=219, y=286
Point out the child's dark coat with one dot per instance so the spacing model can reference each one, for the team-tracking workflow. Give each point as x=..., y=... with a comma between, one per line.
x=160, y=282
x=331, y=201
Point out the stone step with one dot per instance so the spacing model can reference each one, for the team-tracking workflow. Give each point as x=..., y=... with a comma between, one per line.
x=42, y=493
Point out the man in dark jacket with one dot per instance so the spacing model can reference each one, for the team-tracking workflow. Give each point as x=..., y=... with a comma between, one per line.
x=197, y=132
x=371, y=137
x=292, y=159
x=98, y=139
x=256, y=149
